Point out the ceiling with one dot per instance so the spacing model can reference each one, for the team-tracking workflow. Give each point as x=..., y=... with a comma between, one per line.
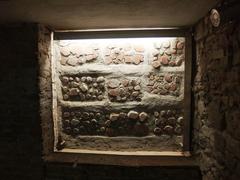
x=98, y=14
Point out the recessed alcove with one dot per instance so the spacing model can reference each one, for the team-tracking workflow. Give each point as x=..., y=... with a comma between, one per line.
x=120, y=94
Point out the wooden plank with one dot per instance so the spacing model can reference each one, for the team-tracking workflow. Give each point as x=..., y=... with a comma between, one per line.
x=187, y=92
x=122, y=160
x=120, y=33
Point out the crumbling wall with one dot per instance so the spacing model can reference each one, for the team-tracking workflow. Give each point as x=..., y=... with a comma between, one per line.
x=217, y=99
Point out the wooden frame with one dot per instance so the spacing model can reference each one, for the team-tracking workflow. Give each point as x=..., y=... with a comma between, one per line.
x=141, y=158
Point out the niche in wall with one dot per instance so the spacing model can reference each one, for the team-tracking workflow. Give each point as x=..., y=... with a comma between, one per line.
x=118, y=95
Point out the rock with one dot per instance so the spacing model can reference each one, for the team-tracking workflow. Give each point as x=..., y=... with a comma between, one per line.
x=75, y=84
x=168, y=129
x=167, y=86
x=74, y=122
x=122, y=115
x=163, y=113
x=180, y=120
x=172, y=63
x=65, y=51
x=63, y=61
x=168, y=52
x=75, y=130
x=77, y=79
x=107, y=123
x=114, y=116
x=128, y=59
x=157, y=131
x=155, y=91
x=122, y=92
x=156, y=64
x=72, y=61
x=89, y=79
x=178, y=130
x=161, y=52
x=73, y=91
x=65, y=97
x=164, y=60
x=65, y=80
x=101, y=86
x=135, y=93
x=143, y=117
x=108, y=60
x=158, y=45
x=83, y=79
x=168, y=78
x=113, y=56
x=65, y=89
x=66, y=114
x=85, y=115
x=125, y=82
x=179, y=61
x=169, y=113
x=100, y=97
x=155, y=52
x=100, y=79
x=173, y=87
x=94, y=121
x=137, y=59
x=113, y=83
x=124, y=98
x=163, y=91
x=90, y=58
x=132, y=114
x=113, y=92
x=171, y=121
x=166, y=44
x=102, y=129
x=95, y=85
x=139, y=48
x=83, y=87
x=156, y=114
x=137, y=88
x=180, y=45
x=82, y=96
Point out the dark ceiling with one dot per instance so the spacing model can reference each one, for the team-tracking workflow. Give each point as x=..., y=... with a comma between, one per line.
x=95, y=14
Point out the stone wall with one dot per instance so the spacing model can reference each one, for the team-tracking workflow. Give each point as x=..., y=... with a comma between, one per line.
x=217, y=99
x=20, y=127
x=121, y=94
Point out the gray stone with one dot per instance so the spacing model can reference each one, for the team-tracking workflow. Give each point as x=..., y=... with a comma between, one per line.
x=100, y=79
x=137, y=88
x=83, y=79
x=83, y=87
x=74, y=122
x=156, y=114
x=89, y=79
x=100, y=97
x=143, y=116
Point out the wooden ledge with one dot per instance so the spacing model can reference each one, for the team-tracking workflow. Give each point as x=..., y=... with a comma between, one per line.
x=138, y=158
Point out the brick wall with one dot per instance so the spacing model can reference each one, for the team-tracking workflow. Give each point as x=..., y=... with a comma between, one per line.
x=217, y=100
